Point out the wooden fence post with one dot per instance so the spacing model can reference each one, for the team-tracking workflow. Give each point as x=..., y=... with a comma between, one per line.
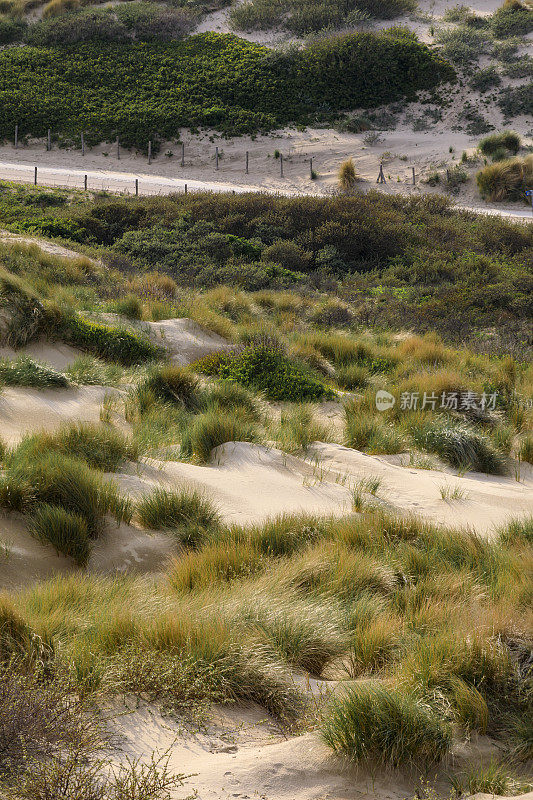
x=311, y=168
x=281, y=164
x=247, y=159
x=16, y=137
x=182, y=154
x=49, y=140
x=216, y=157
x=35, y=177
x=150, y=152
x=136, y=187
x=118, y=148
x=82, y=144
x=185, y=188
x=85, y=182
x=414, y=176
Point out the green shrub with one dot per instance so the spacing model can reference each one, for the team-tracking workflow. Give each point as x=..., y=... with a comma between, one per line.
x=163, y=509
x=372, y=723
x=516, y=100
x=509, y=140
x=64, y=530
x=213, y=428
x=202, y=85
x=173, y=384
x=24, y=371
x=114, y=344
x=268, y=370
x=512, y=21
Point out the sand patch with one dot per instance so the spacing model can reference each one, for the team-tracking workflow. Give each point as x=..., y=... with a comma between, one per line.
x=185, y=340
x=25, y=411
x=55, y=354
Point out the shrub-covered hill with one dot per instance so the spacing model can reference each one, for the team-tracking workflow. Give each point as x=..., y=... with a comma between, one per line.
x=400, y=261
x=150, y=90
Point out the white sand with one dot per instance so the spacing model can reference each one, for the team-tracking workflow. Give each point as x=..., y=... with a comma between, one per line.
x=185, y=340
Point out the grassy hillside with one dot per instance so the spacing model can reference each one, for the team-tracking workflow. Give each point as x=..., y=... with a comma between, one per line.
x=150, y=90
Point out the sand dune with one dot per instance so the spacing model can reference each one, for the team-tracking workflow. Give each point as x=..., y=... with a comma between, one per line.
x=56, y=354
x=185, y=340
x=25, y=411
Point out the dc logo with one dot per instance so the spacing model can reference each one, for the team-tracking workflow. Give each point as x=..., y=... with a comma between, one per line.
x=384, y=400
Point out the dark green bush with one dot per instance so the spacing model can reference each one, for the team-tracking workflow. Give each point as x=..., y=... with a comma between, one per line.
x=114, y=344
x=514, y=20
x=212, y=80
x=265, y=369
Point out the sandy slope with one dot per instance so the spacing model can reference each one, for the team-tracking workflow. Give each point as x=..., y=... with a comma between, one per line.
x=27, y=410
x=242, y=754
x=185, y=340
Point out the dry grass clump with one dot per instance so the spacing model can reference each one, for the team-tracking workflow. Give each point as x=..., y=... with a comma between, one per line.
x=298, y=429
x=185, y=512
x=347, y=176
x=213, y=428
x=173, y=385
x=370, y=433
x=506, y=180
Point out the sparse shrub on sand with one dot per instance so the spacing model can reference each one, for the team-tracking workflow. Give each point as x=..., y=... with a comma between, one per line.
x=373, y=435
x=298, y=429
x=373, y=723
x=227, y=396
x=129, y=306
x=100, y=446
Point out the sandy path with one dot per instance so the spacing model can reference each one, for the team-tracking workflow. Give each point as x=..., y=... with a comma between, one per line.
x=328, y=149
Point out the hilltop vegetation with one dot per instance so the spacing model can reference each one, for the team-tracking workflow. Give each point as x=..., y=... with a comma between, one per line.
x=150, y=90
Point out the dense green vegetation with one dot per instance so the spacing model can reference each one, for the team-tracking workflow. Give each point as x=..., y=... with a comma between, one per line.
x=150, y=90
x=398, y=261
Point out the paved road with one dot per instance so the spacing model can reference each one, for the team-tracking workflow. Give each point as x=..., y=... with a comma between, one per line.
x=157, y=184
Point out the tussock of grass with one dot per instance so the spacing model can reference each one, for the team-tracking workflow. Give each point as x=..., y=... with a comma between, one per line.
x=163, y=509
x=372, y=723
x=100, y=446
x=373, y=435
x=173, y=385
x=506, y=179
x=228, y=396
x=64, y=530
x=213, y=428
x=493, y=778
x=458, y=444
x=298, y=429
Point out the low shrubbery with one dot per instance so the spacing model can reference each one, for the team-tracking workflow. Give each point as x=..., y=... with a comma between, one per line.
x=177, y=511
x=173, y=385
x=506, y=140
x=266, y=369
x=115, y=344
x=112, y=90
x=459, y=444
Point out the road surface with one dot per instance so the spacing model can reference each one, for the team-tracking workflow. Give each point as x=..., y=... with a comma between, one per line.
x=157, y=184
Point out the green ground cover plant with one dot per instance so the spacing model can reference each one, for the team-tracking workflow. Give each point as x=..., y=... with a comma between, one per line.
x=24, y=371
x=210, y=80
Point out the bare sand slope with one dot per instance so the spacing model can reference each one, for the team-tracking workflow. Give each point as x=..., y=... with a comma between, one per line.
x=56, y=354
x=185, y=340
x=248, y=483
x=25, y=411
x=243, y=754
x=487, y=500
